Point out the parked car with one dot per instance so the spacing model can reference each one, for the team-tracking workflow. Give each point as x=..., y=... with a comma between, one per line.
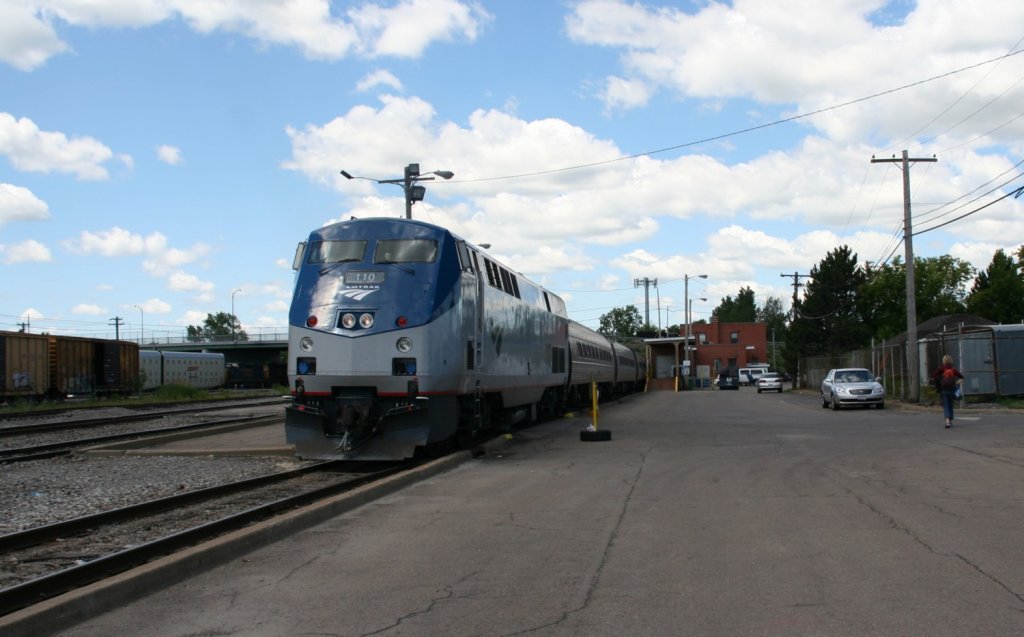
x=851, y=386
x=728, y=381
x=769, y=381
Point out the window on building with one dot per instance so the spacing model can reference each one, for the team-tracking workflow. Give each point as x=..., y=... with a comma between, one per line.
x=702, y=338
x=734, y=337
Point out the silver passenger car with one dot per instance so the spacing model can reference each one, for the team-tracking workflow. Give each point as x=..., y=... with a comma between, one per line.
x=851, y=386
x=769, y=381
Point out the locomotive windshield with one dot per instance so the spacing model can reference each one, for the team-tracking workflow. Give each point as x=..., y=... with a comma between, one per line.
x=405, y=251
x=336, y=251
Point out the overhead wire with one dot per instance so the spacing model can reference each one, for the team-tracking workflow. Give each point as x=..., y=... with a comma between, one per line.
x=750, y=129
x=1015, y=193
x=963, y=95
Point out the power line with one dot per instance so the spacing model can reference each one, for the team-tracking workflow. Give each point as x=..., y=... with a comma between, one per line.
x=1016, y=195
x=955, y=102
x=777, y=122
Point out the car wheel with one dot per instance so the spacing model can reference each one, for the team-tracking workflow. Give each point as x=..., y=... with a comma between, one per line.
x=881, y=405
x=835, y=404
x=780, y=390
x=759, y=390
x=824, y=403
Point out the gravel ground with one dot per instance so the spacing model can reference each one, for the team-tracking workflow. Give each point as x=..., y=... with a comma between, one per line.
x=45, y=491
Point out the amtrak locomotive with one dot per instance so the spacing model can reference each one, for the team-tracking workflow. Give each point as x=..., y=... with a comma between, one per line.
x=403, y=337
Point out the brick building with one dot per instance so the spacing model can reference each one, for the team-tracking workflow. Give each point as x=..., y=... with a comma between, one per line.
x=719, y=345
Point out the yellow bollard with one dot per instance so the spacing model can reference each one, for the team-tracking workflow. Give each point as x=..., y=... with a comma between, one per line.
x=591, y=433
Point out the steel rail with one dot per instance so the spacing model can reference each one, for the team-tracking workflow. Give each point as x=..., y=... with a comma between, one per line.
x=39, y=452
x=18, y=430
x=76, y=526
x=43, y=588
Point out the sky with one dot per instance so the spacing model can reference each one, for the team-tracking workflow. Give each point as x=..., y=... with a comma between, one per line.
x=161, y=159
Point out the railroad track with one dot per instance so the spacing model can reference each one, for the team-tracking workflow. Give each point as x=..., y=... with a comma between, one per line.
x=77, y=552
x=50, y=450
x=8, y=430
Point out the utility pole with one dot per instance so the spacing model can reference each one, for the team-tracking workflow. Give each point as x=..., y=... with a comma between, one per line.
x=913, y=363
x=796, y=286
x=116, y=322
x=647, y=283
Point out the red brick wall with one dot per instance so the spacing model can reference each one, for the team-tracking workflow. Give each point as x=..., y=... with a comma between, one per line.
x=752, y=345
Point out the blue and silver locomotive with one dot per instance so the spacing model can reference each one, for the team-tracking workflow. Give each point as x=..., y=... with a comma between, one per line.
x=402, y=336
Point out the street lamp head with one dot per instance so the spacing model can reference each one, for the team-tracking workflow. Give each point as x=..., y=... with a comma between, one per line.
x=444, y=174
x=346, y=175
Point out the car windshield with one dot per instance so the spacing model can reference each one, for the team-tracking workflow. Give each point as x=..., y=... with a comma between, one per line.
x=854, y=376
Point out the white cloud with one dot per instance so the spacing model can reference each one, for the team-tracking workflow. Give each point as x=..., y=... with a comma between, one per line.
x=378, y=78
x=118, y=242
x=20, y=204
x=89, y=309
x=26, y=40
x=409, y=27
x=548, y=220
x=155, y=306
x=32, y=150
x=30, y=251
x=28, y=37
x=169, y=155
x=622, y=93
x=813, y=55
x=185, y=282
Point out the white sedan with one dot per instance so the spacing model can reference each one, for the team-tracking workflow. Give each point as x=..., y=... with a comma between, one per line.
x=769, y=381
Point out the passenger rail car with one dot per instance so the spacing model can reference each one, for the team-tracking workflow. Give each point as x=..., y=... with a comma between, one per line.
x=403, y=336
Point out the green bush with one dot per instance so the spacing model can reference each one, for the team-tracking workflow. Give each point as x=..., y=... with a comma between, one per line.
x=174, y=392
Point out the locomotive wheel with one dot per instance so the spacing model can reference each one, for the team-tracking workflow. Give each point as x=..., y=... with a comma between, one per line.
x=601, y=435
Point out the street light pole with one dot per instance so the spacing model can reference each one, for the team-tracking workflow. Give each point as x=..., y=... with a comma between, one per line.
x=686, y=312
x=413, y=193
x=234, y=319
x=142, y=322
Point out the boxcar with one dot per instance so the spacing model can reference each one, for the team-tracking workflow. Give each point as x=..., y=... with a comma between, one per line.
x=24, y=365
x=92, y=366
x=201, y=370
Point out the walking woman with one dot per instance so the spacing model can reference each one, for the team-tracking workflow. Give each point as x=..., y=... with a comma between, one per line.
x=947, y=379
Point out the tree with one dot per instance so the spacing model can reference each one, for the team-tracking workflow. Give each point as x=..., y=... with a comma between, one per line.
x=741, y=310
x=217, y=327
x=621, y=321
x=939, y=284
x=828, y=320
x=774, y=318
x=998, y=292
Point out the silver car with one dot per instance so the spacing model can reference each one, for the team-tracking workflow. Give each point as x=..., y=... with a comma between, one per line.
x=769, y=381
x=851, y=386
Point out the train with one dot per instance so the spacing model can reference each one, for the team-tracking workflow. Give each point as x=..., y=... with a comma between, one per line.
x=404, y=338
x=40, y=367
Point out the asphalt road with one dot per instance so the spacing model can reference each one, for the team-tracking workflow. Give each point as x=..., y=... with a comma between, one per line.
x=708, y=513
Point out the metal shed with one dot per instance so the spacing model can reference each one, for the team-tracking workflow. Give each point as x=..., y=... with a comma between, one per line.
x=991, y=357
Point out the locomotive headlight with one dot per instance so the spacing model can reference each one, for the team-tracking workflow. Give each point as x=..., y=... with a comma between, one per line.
x=306, y=344
x=348, y=321
x=404, y=344
x=366, y=321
